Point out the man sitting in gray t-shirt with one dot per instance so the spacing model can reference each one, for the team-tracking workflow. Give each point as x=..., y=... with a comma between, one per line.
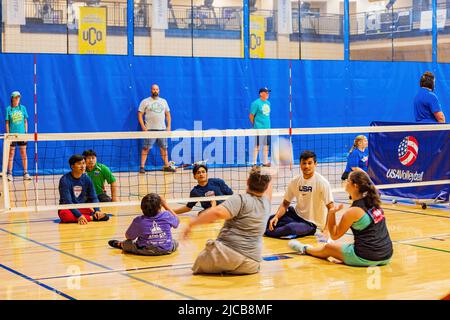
x=238, y=247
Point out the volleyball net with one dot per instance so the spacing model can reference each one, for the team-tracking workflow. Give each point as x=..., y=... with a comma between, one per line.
x=228, y=154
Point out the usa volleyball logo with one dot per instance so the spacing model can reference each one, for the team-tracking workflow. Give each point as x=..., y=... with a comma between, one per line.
x=408, y=150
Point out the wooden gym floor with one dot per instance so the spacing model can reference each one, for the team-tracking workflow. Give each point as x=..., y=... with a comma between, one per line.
x=42, y=259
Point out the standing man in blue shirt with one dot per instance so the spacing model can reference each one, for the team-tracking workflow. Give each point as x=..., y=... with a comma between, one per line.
x=206, y=187
x=260, y=119
x=427, y=108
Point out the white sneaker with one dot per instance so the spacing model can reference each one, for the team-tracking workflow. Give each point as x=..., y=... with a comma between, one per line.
x=10, y=177
x=298, y=246
x=321, y=238
x=26, y=176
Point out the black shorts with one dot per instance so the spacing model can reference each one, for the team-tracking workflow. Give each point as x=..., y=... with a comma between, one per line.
x=18, y=143
x=264, y=140
x=104, y=198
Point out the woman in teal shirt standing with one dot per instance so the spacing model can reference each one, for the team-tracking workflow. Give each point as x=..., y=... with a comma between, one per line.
x=16, y=122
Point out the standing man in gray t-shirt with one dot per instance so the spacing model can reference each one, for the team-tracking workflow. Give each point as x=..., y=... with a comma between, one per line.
x=238, y=247
x=156, y=112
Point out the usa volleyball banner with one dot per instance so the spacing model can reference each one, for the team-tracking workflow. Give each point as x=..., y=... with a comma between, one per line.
x=404, y=157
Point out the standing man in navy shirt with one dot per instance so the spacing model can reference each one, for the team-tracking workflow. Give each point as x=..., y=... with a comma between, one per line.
x=76, y=187
x=207, y=187
x=427, y=108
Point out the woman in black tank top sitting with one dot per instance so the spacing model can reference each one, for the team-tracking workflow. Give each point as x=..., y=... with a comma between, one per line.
x=372, y=245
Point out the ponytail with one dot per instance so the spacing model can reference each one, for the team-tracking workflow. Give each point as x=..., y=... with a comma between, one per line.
x=372, y=198
x=356, y=141
x=354, y=146
x=366, y=188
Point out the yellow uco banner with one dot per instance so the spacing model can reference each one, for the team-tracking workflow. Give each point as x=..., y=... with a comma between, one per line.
x=256, y=36
x=92, y=30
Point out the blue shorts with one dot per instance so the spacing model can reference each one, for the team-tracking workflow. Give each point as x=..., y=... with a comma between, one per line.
x=160, y=142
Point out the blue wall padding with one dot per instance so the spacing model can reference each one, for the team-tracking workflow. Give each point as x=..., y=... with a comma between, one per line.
x=91, y=93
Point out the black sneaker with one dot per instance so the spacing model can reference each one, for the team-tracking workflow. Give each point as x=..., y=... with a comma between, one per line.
x=115, y=244
x=141, y=170
x=169, y=169
x=266, y=164
x=105, y=218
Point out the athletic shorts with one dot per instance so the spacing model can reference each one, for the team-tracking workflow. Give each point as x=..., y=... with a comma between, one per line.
x=160, y=142
x=219, y=258
x=18, y=143
x=264, y=140
x=131, y=247
x=351, y=259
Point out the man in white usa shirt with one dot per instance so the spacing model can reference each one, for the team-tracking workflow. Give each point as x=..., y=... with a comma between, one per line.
x=314, y=199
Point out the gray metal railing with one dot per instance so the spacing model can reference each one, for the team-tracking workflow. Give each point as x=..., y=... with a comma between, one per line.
x=67, y=12
x=230, y=18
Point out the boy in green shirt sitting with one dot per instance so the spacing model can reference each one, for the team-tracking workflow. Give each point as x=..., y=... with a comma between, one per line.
x=99, y=173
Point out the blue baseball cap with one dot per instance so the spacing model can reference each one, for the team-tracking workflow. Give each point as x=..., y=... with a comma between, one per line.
x=15, y=94
x=264, y=89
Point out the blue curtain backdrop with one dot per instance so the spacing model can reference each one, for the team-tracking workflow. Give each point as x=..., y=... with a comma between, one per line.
x=101, y=93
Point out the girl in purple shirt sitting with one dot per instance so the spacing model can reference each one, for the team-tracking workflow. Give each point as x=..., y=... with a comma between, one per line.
x=150, y=234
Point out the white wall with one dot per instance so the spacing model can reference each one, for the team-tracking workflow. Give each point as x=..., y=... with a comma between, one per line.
x=365, y=5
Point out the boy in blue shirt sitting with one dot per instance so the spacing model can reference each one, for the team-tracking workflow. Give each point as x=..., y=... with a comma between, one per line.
x=76, y=187
x=207, y=187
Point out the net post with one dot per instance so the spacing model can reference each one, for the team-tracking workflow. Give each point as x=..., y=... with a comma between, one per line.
x=290, y=115
x=6, y=148
x=36, y=186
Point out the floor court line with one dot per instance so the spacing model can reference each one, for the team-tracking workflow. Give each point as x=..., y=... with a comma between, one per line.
x=445, y=235
x=410, y=212
x=420, y=213
x=68, y=242
x=55, y=249
x=110, y=238
x=174, y=266
x=213, y=229
x=36, y=281
x=158, y=286
x=27, y=221
x=96, y=264
x=98, y=239
x=181, y=265
x=425, y=247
